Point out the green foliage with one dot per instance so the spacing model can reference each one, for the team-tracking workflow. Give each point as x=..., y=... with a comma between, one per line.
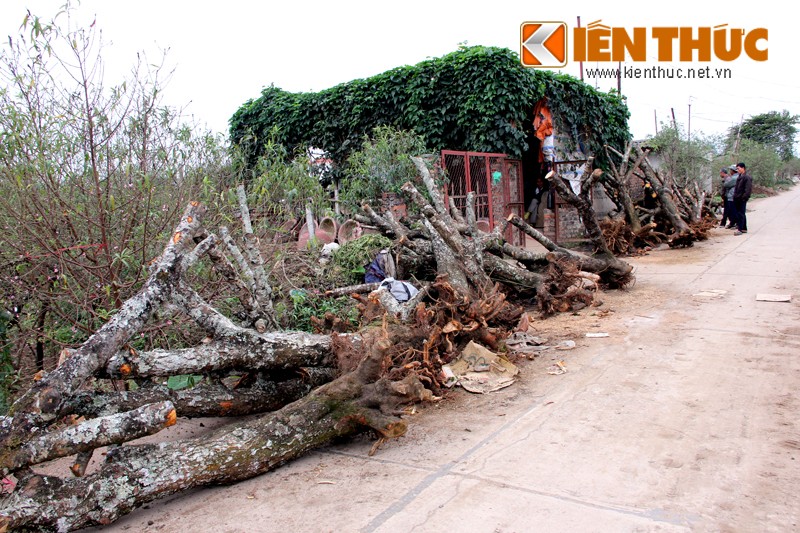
x=477, y=98
x=763, y=162
x=183, y=381
x=93, y=179
x=589, y=118
x=280, y=187
x=307, y=304
x=685, y=160
x=348, y=263
x=382, y=165
x=789, y=169
x=776, y=130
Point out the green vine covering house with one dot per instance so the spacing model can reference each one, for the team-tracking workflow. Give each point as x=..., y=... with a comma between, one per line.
x=477, y=98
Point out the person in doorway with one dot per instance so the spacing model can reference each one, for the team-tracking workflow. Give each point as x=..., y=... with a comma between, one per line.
x=728, y=184
x=532, y=213
x=741, y=194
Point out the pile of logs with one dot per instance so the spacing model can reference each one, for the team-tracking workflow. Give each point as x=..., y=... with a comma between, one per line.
x=309, y=388
x=680, y=216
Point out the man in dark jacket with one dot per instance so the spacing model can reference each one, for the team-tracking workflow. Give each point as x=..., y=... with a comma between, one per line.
x=741, y=193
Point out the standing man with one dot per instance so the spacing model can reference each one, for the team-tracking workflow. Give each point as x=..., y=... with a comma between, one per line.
x=741, y=193
x=727, y=190
x=532, y=213
x=727, y=214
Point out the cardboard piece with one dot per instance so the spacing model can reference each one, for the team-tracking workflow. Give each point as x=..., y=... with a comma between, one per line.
x=773, y=297
x=480, y=370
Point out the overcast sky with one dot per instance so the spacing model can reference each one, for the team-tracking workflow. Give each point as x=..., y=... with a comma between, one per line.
x=224, y=52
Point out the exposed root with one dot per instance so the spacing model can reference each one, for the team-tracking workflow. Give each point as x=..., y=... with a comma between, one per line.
x=435, y=333
x=568, y=289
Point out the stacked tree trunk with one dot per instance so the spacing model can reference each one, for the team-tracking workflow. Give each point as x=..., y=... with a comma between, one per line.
x=305, y=385
x=680, y=215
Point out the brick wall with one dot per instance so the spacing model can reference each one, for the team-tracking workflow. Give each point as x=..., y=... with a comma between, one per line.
x=569, y=224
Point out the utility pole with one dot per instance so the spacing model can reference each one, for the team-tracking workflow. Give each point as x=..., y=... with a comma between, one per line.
x=655, y=120
x=689, y=134
x=673, y=118
x=738, y=136
x=581, y=63
x=619, y=78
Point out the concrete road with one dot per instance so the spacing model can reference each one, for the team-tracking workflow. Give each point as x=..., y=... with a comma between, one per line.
x=685, y=418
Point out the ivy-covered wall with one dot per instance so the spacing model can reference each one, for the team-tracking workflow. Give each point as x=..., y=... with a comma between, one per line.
x=477, y=98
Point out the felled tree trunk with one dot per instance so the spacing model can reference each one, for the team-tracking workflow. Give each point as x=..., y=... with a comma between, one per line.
x=619, y=180
x=211, y=398
x=616, y=269
x=134, y=475
x=681, y=211
x=456, y=257
x=36, y=431
x=45, y=399
x=682, y=231
x=275, y=368
x=472, y=259
x=613, y=276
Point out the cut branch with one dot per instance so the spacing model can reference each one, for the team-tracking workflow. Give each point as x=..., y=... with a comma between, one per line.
x=263, y=291
x=225, y=268
x=86, y=436
x=134, y=475
x=246, y=349
x=207, y=399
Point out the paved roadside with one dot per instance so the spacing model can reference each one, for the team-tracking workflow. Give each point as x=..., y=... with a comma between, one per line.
x=685, y=418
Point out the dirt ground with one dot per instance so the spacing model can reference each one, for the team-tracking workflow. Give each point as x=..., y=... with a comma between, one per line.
x=684, y=418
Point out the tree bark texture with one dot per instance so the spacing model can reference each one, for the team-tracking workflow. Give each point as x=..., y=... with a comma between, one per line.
x=268, y=393
x=134, y=475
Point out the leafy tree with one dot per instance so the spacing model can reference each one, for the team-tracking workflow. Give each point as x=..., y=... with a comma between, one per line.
x=774, y=129
x=91, y=179
x=763, y=163
x=684, y=160
x=790, y=168
x=382, y=165
x=280, y=187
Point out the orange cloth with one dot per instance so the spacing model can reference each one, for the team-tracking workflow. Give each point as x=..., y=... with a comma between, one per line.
x=542, y=120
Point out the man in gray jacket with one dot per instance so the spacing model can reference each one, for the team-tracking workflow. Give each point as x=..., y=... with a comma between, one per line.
x=728, y=184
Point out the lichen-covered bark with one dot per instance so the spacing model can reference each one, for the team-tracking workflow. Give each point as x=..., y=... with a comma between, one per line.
x=263, y=290
x=617, y=272
x=207, y=399
x=664, y=192
x=596, y=264
x=523, y=281
x=619, y=181
x=224, y=268
x=455, y=256
x=386, y=223
x=91, y=434
x=245, y=350
x=134, y=475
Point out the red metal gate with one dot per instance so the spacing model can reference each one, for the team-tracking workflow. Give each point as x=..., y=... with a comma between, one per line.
x=477, y=172
x=471, y=172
